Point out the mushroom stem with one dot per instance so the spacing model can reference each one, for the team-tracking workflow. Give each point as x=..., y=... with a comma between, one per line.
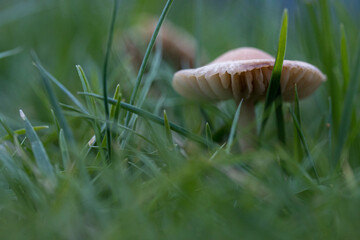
x=247, y=126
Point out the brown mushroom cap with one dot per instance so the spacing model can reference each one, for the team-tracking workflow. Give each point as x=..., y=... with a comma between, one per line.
x=245, y=73
x=179, y=47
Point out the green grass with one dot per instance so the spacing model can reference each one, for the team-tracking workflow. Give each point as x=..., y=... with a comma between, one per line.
x=175, y=170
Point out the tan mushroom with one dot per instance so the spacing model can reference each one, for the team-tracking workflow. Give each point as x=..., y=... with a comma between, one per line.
x=245, y=73
x=179, y=47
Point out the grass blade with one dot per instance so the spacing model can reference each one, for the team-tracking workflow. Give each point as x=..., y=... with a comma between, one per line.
x=146, y=57
x=153, y=118
x=53, y=101
x=86, y=87
x=233, y=128
x=22, y=131
x=209, y=137
x=7, y=129
x=107, y=55
x=45, y=74
x=347, y=110
x=304, y=143
x=329, y=126
x=64, y=150
x=37, y=147
x=344, y=59
x=168, y=130
x=11, y=52
x=274, y=90
x=297, y=141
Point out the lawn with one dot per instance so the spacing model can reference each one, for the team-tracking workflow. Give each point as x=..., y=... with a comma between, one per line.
x=95, y=142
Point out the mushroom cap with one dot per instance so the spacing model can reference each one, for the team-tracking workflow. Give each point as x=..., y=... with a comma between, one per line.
x=178, y=45
x=245, y=73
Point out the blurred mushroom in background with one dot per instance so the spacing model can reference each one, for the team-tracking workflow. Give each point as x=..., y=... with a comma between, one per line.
x=178, y=46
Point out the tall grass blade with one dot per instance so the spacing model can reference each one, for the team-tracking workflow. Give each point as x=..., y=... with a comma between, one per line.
x=330, y=129
x=38, y=149
x=146, y=57
x=297, y=141
x=274, y=90
x=304, y=143
x=347, y=110
x=233, y=128
x=344, y=59
x=53, y=100
x=107, y=55
x=64, y=150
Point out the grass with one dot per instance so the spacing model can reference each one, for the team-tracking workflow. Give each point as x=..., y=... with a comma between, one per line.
x=175, y=170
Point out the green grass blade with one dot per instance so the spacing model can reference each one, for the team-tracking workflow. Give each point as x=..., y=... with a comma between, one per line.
x=330, y=129
x=11, y=52
x=46, y=75
x=233, y=128
x=64, y=150
x=304, y=143
x=105, y=69
x=22, y=131
x=347, y=110
x=53, y=100
x=168, y=130
x=344, y=59
x=7, y=129
x=209, y=137
x=86, y=87
x=280, y=122
x=274, y=89
x=152, y=117
x=198, y=6
x=38, y=149
x=116, y=96
x=146, y=57
x=297, y=142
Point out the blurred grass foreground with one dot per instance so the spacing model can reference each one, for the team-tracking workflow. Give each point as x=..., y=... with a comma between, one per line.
x=96, y=144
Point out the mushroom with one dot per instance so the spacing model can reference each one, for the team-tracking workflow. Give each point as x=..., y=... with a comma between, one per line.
x=245, y=73
x=179, y=47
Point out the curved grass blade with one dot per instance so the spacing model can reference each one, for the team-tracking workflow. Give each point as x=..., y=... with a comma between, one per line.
x=45, y=74
x=274, y=90
x=53, y=101
x=38, y=149
x=146, y=57
x=7, y=129
x=304, y=143
x=22, y=131
x=86, y=87
x=153, y=118
x=233, y=128
x=11, y=52
x=107, y=55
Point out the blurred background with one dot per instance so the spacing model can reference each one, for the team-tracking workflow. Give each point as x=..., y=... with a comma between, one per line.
x=65, y=33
